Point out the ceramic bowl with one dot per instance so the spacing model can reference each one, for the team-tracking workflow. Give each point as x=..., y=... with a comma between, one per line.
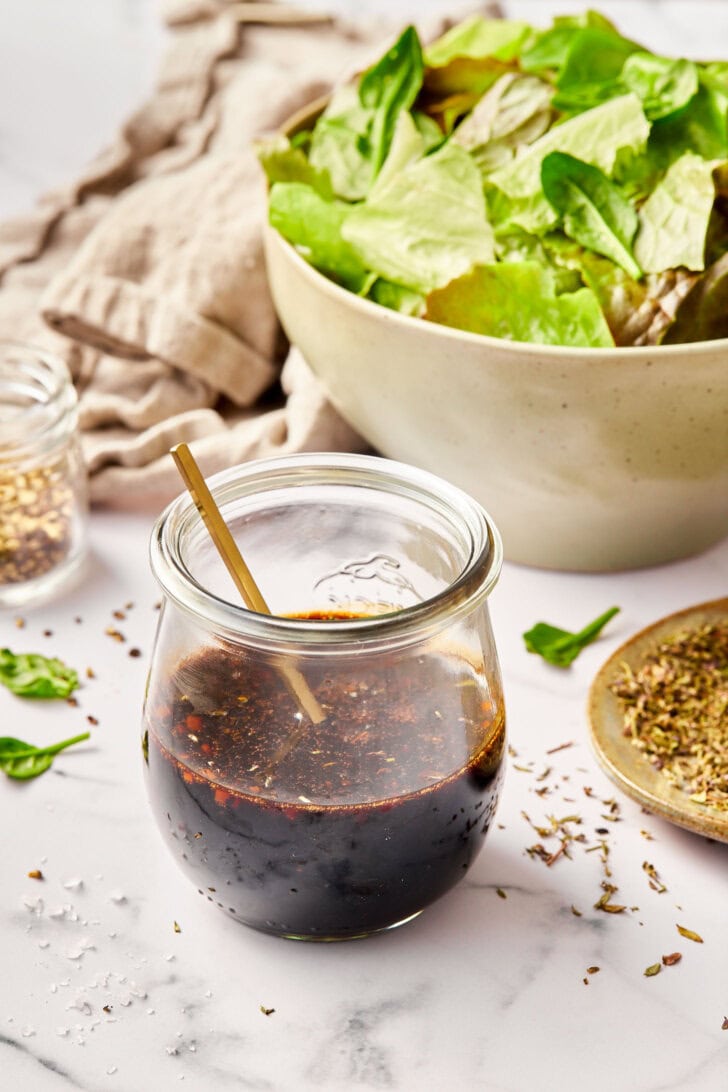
x=587, y=459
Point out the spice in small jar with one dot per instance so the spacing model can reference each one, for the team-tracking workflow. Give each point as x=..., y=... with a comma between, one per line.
x=43, y=501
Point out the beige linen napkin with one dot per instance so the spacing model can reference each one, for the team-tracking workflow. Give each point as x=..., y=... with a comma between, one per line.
x=150, y=271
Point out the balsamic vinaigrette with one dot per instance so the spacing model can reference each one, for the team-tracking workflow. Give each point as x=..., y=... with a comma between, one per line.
x=372, y=814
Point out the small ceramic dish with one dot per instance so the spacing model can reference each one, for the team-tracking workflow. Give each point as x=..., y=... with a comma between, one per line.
x=623, y=762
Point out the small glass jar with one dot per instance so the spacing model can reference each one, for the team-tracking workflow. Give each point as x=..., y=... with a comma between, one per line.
x=377, y=577
x=43, y=496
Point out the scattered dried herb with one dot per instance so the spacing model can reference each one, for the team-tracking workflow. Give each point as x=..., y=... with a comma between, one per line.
x=561, y=647
x=724, y=1025
x=604, y=904
x=35, y=874
x=675, y=706
x=22, y=761
x=500, y=893
x=135, y=653
x=672, y=959
x=575, y=912
x=30, y=675
x=654, y=880
x=177, y=927
x=115, y=633
x=593, y=970
x=689, y=934
x=653, y=969
x=265, y=1011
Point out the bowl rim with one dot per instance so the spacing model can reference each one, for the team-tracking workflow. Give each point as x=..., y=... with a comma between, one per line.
x=301, y=119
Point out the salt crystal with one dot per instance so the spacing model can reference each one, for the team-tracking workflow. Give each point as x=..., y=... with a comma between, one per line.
x=171, y=1050
x=117, y=897
x=54, y=988
x=208, y=993
x=57, y=912
x=169, y=957
x=150, y=1012
x=62, y=1032
x=81, y=1005
x=44, y=943
x=126, y=1001
x=27, y=1032
x=74, y=884
x=111, y=1070
x=34, y=905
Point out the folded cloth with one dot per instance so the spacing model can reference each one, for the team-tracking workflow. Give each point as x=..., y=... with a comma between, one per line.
x=149, y=270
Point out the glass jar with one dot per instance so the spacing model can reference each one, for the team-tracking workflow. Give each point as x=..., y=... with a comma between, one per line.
x=43, y=497
x=377, y=577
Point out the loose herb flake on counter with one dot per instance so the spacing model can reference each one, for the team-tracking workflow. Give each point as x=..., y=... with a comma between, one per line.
x=689, y=934
x=675, y=707
x=22, y=761
x=561, y=647
x=30, y=675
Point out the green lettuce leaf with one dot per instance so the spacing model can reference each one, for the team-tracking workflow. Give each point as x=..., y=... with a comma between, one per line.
x=389, y=87
x=673, y=221
x=515, y=112
x=340, y=144
x=471, y=56
x=592, y=209
x=663, y=85
x=517, y=300
x=407, y=146
x=478, y=37
x=427, y=225
x=282, y=162
x=314, y=226
x=397, y=298
x=595, y=136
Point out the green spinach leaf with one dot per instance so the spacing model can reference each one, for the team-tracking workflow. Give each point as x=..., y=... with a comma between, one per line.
x=22, y=761
x=592, y=209
x=30, y=675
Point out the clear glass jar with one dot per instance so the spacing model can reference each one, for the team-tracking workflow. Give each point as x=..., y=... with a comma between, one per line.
x=377, y=575
x=43, y=496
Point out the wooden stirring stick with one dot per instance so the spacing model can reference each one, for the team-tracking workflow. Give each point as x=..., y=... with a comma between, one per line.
x=239, y=571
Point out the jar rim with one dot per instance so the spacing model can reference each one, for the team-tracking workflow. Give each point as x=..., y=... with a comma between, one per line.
x=473, y=583
x=47, y=380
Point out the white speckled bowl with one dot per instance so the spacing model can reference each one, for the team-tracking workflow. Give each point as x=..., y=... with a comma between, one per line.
x=587, y=459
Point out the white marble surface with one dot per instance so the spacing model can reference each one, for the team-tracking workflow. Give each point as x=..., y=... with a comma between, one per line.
x=481, y=992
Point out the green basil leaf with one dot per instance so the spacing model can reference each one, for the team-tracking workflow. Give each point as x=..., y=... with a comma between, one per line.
x=560, y=647
x=30, y=675
x=592, y=209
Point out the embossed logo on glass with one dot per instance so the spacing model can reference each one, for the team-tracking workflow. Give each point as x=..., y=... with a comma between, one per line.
x=373, y=586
